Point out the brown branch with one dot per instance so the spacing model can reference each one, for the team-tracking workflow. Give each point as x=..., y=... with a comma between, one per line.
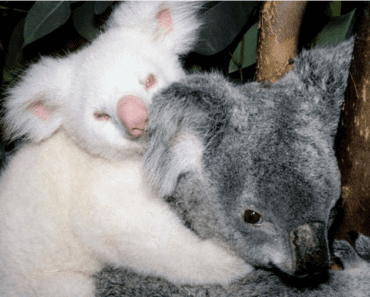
x=279, y=27
x=354, y=134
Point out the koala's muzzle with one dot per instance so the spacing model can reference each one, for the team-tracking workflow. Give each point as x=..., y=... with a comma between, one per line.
x=132, y=111
x=310, y=252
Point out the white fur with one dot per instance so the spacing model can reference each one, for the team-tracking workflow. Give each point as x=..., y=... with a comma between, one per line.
x=93, y=80
x=62, y=210
x=75, y=198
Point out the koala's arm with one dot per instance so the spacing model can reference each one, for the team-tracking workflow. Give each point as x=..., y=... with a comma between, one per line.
x=353, y=280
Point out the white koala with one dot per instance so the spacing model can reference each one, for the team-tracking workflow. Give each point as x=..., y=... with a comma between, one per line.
x=75, y=197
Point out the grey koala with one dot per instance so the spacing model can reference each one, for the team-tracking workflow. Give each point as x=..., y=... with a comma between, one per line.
x=253, y=168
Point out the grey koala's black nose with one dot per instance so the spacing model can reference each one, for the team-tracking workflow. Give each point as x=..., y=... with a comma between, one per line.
x=310, y=251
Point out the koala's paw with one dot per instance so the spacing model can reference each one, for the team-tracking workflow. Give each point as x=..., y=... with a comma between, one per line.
x=354, y=279
x=362, y=246
x=351, y=256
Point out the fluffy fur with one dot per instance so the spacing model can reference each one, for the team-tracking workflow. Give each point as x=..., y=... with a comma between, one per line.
x=137, y=55
x=252, y=167
x=74, y=198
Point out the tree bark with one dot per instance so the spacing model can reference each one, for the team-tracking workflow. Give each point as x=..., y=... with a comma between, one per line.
x=353, y=136
x=279, y=26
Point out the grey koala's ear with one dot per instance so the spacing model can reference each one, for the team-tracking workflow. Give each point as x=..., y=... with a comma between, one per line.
x=323, y=73
x=175, y=145
x=186, y=119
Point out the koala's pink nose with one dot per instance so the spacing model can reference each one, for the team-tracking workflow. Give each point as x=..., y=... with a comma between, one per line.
x=133, y=114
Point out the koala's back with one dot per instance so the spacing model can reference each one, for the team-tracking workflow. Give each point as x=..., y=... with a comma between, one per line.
x=33, y=240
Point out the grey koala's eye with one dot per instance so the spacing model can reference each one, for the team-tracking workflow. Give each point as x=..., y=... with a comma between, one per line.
x=252, y=217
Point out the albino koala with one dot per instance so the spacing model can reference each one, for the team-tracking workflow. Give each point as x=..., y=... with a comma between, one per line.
x=75, y=198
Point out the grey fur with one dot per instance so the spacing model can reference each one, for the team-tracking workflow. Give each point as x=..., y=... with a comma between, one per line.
x=352, y=281
x=261, y=147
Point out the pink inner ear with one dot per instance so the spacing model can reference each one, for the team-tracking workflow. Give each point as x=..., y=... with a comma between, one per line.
x=38, y=109
x=150, y=81
x=165, y=20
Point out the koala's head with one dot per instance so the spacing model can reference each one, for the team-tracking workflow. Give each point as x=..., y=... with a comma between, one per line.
x=100, y=95
x=253, y=166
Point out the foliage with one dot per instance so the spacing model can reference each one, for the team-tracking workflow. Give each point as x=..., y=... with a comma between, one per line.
x=230, y=31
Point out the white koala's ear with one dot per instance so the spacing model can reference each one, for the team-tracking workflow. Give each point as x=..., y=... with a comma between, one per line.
x=33, y=106
x=174, y=24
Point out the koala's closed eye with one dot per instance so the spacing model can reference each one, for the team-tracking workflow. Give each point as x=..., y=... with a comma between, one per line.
x=102, y=116
x=252, y=217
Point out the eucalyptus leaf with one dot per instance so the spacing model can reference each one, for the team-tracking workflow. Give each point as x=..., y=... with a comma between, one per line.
x=43, y=18
x=335, y=7
x=83, y=20
x=101, y=6
x=245, y=53
x=336, y=30
x=223, y=22
x=14, y=53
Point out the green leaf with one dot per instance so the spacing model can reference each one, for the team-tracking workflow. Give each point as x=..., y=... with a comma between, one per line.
x=335, y=7
x=44, y=17
x=83, y=20
x=14, y=54
x=335, y=30
x=246, y=52
x=101, y=6
x=224, y=21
